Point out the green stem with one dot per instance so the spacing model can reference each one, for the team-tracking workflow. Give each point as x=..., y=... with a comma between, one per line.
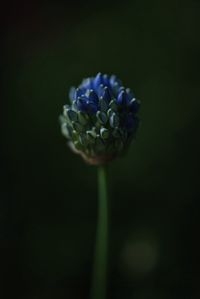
x=100, y=259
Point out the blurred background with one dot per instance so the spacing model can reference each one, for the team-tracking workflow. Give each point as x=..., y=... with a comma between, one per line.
x=48, y=195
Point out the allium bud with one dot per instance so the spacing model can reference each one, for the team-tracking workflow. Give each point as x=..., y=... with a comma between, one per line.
x=101, y=120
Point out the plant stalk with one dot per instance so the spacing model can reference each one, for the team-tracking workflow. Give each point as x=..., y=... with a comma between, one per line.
x=99, y=285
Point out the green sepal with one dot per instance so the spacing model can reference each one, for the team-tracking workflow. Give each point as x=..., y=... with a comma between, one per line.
x=91, y=135
x=109, y=112
x=102, y=117
x=64, y=130
x=83, y=140
x=78, y=145
x=82, y=118
x=71, y=114
x=114, y=120
x=113, y=105
x=104, y=133
x=77, y=127
x=74, y=135
x=103, y=105
x=62, y=119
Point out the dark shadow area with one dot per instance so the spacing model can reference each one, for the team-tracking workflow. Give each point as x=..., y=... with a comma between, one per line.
x=48, y=195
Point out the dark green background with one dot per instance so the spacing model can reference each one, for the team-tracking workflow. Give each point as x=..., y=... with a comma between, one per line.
x=48, y=195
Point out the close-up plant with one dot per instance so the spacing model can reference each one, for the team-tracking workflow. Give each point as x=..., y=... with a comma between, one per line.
x=99, y=155
x=99, y=123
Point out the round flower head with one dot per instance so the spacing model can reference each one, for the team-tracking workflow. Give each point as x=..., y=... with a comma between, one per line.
x=101, y=120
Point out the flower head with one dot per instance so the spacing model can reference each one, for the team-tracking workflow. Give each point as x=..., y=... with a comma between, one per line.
x=101, y=120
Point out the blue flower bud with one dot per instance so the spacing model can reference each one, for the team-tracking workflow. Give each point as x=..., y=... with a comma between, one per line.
x=98, y=81
x=93, y=97
x=114, y=81
x=106, y=80
x=130, y=94
x=101, y=120
x=134, y=105
x=100, y=90
x=79, y=92
x=91, y=107
x=122, y=98
x=82, y=104
x=106, y=95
